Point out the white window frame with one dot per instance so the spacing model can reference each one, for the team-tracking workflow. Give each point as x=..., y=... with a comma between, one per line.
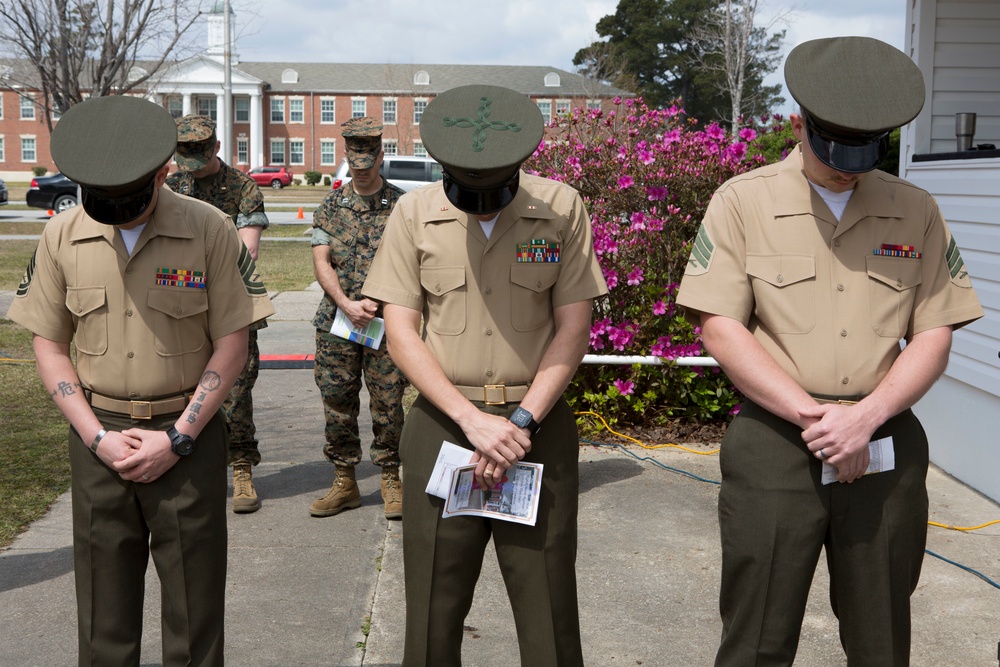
x=394, y=113
x=284, y=154
x=390, y=147
x=563, y=107
x=27, y=107
x=292, y=111
x=1, y=107
x=3, y=149
x=242, y=150
x=359, y=107
x=238, y=112
x=175, y=112
x=419, y=150
x=324, y=119
x=545, y=106
x=34, y=148
x=420, y=102
x=273, y=110
x=292, y=143
x=593, y=104
x=332, y=143
x=208, y=103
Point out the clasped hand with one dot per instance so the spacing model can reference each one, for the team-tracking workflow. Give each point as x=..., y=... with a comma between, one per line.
x=499, y=445
x=839, y=435
x=137, y=455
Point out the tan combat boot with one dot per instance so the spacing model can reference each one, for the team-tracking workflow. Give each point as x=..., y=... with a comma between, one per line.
x=343, y=495
x=392, y=492
x=244, y=495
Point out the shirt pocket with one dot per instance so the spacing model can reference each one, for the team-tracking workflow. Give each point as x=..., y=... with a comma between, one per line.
x=531, y=294
x=446, y=298
x=89, y=306
x=784, y=290
x=179, y=320
x=891, y=290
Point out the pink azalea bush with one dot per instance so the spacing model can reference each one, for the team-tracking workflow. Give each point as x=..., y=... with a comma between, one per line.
x=646, y=177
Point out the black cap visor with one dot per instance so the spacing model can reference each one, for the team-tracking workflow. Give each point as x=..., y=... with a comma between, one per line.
x=851, y=154
x=117, y=210
x=480, y=201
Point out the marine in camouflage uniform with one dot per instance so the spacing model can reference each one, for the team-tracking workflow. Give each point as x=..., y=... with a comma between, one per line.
x=203, y=175
x=347, y=229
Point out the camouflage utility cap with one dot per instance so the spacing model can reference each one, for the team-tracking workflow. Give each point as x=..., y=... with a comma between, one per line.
x=853, y=92
x=113, y=147
x=481, y=135
x=363, y=141
x=196, y=142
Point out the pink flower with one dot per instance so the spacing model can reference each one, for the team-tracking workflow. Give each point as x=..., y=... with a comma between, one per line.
x=656, y=193
x=638, y=220
x=713, y=131
x=660, y=307
x=625, y=182
x=625, y=387
x=646, y=157
x=748, y=134
x=635, y=277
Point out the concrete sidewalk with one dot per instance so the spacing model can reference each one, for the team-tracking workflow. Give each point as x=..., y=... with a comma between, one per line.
x=304, y=591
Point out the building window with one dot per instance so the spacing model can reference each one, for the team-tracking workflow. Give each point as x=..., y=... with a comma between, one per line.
x=327, y=151
x=562, y=107
x=389, y=147
x=277, y=109
x=242, y=151
x=593, y=104
x=206, y=107
x=359, y=108
x=28, y=153
x=277, y=151
x=296, y=110
x=389, y=111
x=418, y=110
x=3, y=151
x=552, y=79
x=241, y=110
x=27, y=108
x=421, y=78
x=418, y=149
x=296, y=151
x=327, y=111
x=1, y=107
x=545, y=106
x=175, y=105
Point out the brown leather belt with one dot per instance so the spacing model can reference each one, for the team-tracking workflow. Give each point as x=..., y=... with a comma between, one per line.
x=495, y=394
x=140, y=409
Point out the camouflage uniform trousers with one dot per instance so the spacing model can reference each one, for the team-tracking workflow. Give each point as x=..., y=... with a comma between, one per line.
x=238, y=410
x=338, y=370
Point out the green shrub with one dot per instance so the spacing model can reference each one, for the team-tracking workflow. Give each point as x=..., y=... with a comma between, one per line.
x=312, y=177
x=326, y=181
x=39, y=170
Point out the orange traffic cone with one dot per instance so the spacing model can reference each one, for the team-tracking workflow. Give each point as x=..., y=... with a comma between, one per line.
x=300, y=213
x=50, y=212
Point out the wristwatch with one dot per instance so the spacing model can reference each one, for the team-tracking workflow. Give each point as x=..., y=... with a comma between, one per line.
x=181, y=443
x=524, y=419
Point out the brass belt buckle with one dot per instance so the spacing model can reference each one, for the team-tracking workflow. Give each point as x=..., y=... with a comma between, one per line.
x=145, y=409
x=843, y=402
x=494, y=387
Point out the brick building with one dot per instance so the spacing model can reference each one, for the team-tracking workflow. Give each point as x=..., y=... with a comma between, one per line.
x=289, y=114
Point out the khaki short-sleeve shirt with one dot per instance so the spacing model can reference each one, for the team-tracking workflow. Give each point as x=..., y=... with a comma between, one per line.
x=143, y=325
x=828, y=300
x=488, y=303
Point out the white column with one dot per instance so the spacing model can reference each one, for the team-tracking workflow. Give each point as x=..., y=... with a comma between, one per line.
x=186, y=104
x=256, y=129
x=220, y=112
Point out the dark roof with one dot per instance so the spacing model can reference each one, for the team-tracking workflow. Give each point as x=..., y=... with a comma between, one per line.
x=388, y=78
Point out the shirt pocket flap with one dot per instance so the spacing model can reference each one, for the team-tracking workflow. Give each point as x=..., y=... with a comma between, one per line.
x=534, y=277
x=895, y=272
x=83, y=300
x=781, y=270
x=442, y=279
x=178, y=303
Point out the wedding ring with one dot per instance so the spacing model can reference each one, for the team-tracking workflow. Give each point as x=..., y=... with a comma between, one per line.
x=145, y=477
x=822, y=454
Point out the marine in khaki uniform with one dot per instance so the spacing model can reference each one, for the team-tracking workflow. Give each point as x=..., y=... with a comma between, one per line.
x=203, y=175
x=134, y=278
x=805, y=276
x=347, y=230
x=500, y=266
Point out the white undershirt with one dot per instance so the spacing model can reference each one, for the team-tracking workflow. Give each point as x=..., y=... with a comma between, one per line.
x=837, y=201
x=488, y=225
x=130, y=236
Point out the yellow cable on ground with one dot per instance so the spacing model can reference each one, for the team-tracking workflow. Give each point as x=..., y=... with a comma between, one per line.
x=644, y=446
x=962, y=528
x=16, y=361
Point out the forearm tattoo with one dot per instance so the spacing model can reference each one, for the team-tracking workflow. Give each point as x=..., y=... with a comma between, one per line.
x=64, y=389
x=210, y=381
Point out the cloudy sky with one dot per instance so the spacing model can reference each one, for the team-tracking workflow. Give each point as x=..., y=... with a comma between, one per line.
x=514, y=32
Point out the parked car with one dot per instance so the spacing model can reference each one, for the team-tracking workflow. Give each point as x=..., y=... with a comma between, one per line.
x=56, y=193
x=276, y=177
x=405, y=172
x=3, y=193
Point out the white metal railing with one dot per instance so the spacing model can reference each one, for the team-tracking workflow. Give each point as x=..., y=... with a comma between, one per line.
x=628, y=360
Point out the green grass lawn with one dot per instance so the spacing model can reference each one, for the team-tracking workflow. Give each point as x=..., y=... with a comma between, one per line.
x=285, y=265
x=14, y=256
x=34, y=465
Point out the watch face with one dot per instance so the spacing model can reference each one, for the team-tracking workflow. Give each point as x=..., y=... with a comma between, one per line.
x=184, y=446
x=521, y=417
